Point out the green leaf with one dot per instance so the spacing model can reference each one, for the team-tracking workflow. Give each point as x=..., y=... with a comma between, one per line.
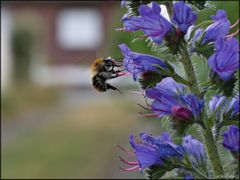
x=228, y=87
x=132, y=6
x=198, y=4
x=225, y=87
x=163, y=52
x=236, y=85
x=206, y=50
x=232, y=122
x=157, y=171
x=169, y=71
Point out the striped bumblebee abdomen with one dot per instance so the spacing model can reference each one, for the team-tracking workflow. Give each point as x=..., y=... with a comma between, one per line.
x=99, y=83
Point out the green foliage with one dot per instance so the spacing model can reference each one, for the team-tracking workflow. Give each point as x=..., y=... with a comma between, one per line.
x=209, y=84
x=236, y=84
x=132, y=6
x=22, y=47
x=163, y=52
x=198, y=4
x=157, y=171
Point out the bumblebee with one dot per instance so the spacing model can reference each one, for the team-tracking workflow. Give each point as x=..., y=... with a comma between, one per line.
x=102, y=70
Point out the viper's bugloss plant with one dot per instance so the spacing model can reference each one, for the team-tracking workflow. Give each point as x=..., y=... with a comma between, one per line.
x=202, y=115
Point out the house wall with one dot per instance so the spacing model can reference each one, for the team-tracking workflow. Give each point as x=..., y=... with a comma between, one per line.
x=48, y=12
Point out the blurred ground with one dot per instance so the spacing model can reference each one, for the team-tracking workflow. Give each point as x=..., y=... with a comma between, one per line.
x=75, y=138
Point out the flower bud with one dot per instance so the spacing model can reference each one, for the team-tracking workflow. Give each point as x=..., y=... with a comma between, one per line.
x=181, y=114
x=231, y=140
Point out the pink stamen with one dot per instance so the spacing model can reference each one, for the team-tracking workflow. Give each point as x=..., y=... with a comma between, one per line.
x=126, y=151
x=232, y=26
x=135, y=92
x=123, y=29
x=144, y=107
x=130, y=169
x=128, y=162
x=120, y=29
x=124, y=73
x=147, y=35
x=146, y=101
x=233, y=34
x=141, y=37
x=146, y=115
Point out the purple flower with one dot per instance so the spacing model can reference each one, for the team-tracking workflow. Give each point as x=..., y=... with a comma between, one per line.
x=150, y=22
x=219, y=29
x=137, y=63
x=169, y=100
x=163, y=138
x=166, y=86
x=231, y=139
x=123, y=3
x=194, y=148
x=196, y=36
x=146, y=154
x=152, y=150
x=215, y=102
x=232, y=108
x=188, y=177
x=183, y=16
x=131, y=23
x=153, y=24
x=225, y=61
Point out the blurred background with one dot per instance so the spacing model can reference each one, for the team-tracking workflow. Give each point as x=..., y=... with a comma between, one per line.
x=53, y=123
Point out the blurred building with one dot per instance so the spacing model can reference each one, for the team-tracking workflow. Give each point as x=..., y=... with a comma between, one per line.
x=64, y=36
x=6, y=26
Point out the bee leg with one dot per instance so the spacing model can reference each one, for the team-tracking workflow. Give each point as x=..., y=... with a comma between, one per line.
x=113, y=88
x=115, y=76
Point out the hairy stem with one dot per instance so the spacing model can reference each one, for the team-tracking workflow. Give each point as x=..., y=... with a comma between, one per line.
x=189, y=71
x=207, y=134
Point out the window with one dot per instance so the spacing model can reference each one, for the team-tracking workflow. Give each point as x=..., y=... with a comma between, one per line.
x=79, y=29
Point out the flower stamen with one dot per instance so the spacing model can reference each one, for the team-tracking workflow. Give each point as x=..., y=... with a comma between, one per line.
x=130, y=169
x=146, y=115
x=143, y=107
x=135, y=92
x=123, y=29
x=232, y=26
x=128, y=162
x=125, y=150
x=124, y=73
x=233, y=34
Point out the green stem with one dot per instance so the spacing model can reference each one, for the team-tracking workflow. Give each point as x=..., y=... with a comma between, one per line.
x=213, y=153
x=207, y=134
x=189, y=70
